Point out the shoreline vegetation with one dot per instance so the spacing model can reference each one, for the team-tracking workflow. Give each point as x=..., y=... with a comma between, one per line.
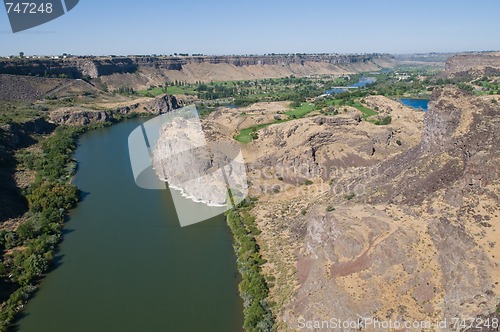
x=253, y=287
x=31, y=249
x=30, y=252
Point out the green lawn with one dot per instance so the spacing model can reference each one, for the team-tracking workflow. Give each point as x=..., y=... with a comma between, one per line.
x=301, y=111
x=245, y=134
x=367, y=112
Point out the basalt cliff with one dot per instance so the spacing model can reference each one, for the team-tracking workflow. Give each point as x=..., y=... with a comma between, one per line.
x=142, y=71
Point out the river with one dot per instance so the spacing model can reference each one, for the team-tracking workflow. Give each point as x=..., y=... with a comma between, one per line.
x=125, y=263
x=364, y=81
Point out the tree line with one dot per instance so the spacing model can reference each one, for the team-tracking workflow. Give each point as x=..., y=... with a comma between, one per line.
x=253, y=287
x=31, y=248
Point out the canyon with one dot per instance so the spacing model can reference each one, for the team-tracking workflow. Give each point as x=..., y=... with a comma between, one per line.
x=141, y=72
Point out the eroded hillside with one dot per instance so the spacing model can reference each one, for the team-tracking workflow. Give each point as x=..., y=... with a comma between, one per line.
x=398, y=233
x=142, y=72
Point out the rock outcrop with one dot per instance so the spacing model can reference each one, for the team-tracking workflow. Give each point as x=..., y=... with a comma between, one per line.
x=474, y=65
x=79, y=116
x=411, y=238
x=319, y=147
x=72, y=67
x=458, y=146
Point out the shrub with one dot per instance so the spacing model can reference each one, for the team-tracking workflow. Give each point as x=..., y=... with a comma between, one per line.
x=253, y=287
x=330, y=208
x=384, y=121
x=350, y=196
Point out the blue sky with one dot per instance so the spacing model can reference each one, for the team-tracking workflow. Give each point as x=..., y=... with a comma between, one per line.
x=259, y=27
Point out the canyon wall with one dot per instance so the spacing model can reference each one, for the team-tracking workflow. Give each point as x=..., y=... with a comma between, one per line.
x=93, y=67
x=480, y=64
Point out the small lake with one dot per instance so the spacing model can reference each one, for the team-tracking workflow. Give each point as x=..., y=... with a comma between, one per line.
x=126, y=265
x=421, y=104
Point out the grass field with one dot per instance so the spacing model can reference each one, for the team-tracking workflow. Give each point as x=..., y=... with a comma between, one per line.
x=367, y=112
x=301, y=111
x=245, y=134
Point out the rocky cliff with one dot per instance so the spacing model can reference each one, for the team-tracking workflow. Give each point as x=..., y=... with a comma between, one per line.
x=141, y=72
x=175, y=63
x=475, y=65
x=72, y=68
x=206, y=69
x=80, y=116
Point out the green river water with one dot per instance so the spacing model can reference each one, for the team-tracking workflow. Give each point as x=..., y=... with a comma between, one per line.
x=125, y=263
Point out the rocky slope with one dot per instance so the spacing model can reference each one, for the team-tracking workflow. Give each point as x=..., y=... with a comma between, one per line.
x=475, y=65
x=411, y=237
x=12, y=136
x=79, y=116
x=318, y=146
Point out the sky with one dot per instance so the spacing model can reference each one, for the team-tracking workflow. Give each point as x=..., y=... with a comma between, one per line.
x=97, y=27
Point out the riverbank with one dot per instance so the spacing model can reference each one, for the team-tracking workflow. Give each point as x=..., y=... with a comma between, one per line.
x=253, y=288
x=29, y=250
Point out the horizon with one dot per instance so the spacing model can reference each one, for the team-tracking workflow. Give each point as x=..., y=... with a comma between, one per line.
x=220, y=28
x=176, y=54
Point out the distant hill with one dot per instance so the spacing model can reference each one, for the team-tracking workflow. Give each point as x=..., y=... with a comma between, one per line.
x=474, y=65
